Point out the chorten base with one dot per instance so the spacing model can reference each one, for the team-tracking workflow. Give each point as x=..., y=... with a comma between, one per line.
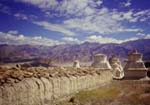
x=104, y=65
x=135, y=73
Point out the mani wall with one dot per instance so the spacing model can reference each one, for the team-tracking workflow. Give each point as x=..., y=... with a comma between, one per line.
x=44, y=86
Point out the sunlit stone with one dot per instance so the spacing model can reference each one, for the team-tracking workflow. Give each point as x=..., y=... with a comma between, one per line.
x=117, y=69
x=100, y=61
x=135, y=67
x=76, y=64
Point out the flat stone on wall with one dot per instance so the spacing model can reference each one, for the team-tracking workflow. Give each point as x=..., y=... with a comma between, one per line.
x=44, y=91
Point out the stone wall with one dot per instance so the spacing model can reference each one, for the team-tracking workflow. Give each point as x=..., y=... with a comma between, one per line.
x=44, y=91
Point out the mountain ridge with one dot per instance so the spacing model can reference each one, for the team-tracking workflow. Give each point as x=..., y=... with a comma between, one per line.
x=68, y=53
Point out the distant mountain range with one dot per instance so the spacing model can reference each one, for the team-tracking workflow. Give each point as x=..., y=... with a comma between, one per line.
x=68, y=53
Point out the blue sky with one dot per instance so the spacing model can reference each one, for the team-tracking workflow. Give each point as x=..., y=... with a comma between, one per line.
x=53, y=22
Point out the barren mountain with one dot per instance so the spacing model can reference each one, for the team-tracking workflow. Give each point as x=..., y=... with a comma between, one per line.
x=67, y=53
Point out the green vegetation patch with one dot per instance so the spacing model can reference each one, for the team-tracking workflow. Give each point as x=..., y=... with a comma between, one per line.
x=116, y=93
x=101, y=93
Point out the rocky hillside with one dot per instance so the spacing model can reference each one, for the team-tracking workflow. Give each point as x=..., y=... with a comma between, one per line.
x=67, y=53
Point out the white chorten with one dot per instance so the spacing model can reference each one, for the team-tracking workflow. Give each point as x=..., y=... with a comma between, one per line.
x=100, y=61
x=117, y=69
x=135, y=67
x=76, y=64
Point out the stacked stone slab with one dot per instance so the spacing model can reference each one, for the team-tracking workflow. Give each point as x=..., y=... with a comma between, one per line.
x=135, y=68
x=46, y=91
x=100, y=61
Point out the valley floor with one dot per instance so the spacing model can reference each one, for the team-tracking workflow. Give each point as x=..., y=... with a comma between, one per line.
x=117, y=93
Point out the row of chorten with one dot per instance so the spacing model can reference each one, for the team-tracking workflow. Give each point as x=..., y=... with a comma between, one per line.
x=134, y=67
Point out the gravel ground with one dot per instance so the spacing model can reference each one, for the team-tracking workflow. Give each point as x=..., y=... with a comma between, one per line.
x=117, y=93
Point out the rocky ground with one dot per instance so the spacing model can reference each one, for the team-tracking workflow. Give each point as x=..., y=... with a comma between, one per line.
x=14, y=74
x=116, y=93
x=123, y=92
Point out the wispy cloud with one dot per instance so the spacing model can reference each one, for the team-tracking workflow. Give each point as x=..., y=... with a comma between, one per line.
x=103, y=22
x=12, y=37
x=13, y=32
x=84, y=16
x=21, y=16
x=127, y=4
x=55, y=27
x=45, y=4
x=71, y=40
x=100, y=39
x=143, y=35
x=5, y=9
x=73, y=18
x=66, y=7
